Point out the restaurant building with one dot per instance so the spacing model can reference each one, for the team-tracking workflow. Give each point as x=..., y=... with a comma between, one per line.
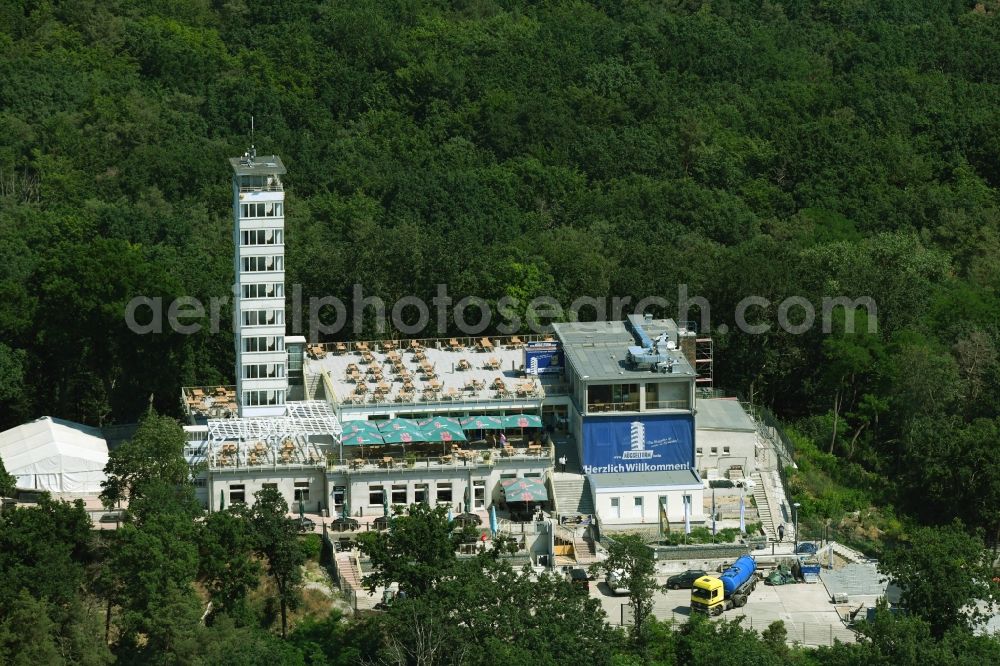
x=355, y=427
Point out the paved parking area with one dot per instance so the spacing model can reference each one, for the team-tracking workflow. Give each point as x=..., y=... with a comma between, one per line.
x=806, y=610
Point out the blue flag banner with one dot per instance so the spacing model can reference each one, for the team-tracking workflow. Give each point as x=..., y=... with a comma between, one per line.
x=660, y=443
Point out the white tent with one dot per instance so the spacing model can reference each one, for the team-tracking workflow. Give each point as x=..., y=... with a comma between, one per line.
x=55, y=455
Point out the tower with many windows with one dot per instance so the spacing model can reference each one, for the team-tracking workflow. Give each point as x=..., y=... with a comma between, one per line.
x=259, y=292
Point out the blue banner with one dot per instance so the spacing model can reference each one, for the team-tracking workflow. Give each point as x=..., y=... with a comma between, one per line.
x=638, y=443
x=541, y=358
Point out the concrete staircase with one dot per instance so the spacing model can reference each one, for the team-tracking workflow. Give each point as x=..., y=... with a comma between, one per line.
x=586, y=550
x=772, y=506
x=350, y=577
x=572, y=494
x=763, y=507
x=312, y=386
x=583, y=550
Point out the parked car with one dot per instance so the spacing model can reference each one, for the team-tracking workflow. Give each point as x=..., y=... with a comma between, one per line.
x=616, y=583
x=580, y=578
x=684, y=580
x=306, y=524
x=807, y=548
x=110, y=518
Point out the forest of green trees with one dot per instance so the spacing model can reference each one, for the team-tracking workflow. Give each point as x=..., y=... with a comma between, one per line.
x=173, y=585
x=619, y=148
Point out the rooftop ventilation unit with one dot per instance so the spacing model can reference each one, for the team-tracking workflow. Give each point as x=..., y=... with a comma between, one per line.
x=656, y=355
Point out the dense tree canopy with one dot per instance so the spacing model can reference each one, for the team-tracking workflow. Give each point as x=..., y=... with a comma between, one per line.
x=512, y=150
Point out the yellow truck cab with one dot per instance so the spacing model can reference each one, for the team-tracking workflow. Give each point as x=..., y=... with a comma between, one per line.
x=707, y=596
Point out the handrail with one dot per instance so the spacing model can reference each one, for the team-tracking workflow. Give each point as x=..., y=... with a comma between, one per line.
x=272, y=187
x=668, y=404
x=599, y=407
x=442, y=343
x=374, y=465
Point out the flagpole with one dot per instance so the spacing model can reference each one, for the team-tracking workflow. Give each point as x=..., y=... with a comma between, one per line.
x=687, y=517
x=713, y=514
x=743, y=525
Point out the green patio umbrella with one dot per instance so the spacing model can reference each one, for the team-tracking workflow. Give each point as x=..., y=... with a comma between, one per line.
x=403, y=436
x=222, y=500
x=443, y=430
x=468, y=501
x=524, y=490
x=385, y=505
x=482, y=423
x=354, y=427
x=395, y=425
x=302, y=509
x=441, y=422
x=345, y=511
x=522, y=421
x=363, y=438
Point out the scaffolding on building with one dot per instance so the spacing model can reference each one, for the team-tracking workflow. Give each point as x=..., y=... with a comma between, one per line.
x=703, y=363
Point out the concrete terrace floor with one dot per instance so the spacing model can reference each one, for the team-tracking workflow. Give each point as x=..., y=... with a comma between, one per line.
x=809, y=616
x=445, y=363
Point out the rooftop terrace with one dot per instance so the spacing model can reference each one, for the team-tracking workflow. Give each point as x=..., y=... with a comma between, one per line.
x=465, y=371
x=203, y=402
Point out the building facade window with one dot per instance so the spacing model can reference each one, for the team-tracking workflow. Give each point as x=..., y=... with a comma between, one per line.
x=399, y=493
x=265, y=486
x=652, y=396
x=237, y=494
x=725, y=450
x=637, y=508
x=264, y=343
x=262, y=237
x=301, y=491
x=715, y=450
x=264, y=371
x=264, y=290
x=263, y=398
x=263, y=317
x=613, y=398
x=338, y=495
x=263, y=264
x=264, y=209
x=479, y=494
x=420, y=493
x=443, y=492
x=616, y=508
x=375, y=495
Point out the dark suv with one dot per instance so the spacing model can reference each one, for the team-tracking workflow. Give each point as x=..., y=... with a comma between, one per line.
x=685, y=580
x=580, y=578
